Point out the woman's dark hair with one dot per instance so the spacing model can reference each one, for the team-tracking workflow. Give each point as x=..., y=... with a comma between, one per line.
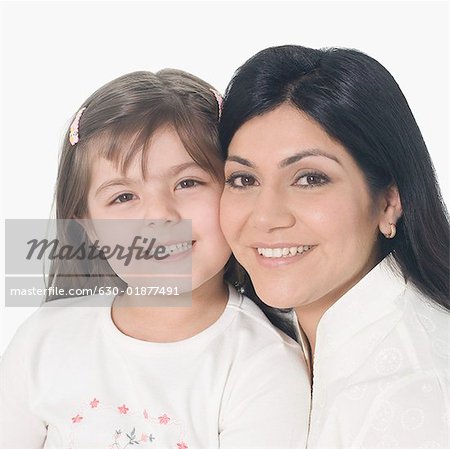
x=359, y=104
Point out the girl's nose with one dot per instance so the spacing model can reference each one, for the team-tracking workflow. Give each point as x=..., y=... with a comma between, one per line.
x=161, y=209
x=270, y=211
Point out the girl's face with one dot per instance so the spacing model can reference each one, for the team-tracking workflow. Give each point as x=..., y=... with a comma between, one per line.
x=175, y=188
x=296, y=210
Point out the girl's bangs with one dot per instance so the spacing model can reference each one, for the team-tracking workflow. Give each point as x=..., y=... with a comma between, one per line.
x=122, y=142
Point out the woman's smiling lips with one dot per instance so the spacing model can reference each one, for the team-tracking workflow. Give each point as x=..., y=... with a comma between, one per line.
x=275, y=254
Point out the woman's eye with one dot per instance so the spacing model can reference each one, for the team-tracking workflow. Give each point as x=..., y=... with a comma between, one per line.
x=241, y=181
x=123, y=198
x=312, y=180
x=187, y=184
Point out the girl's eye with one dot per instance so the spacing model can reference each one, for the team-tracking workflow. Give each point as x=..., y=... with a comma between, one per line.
x=187, y=184
x=123, y=198
x=240, y=181
x=312, y=179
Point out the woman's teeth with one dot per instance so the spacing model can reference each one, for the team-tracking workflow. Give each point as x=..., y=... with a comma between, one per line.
x=283, y=252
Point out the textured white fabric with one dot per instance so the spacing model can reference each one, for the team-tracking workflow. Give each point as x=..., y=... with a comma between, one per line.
x=71, y=380
x=381, y=374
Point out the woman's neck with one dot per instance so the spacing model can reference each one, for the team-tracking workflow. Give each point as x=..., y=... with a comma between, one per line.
x=309, y=316
x=170, y=324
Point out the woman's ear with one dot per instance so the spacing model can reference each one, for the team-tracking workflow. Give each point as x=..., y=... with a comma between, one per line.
x=391, y=213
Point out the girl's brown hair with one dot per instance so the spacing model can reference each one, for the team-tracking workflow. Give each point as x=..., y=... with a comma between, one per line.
x=120, y=119
x=118, y=123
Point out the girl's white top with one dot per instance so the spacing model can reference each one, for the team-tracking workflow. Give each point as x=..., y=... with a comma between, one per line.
x=381, y=375
x=71, y=380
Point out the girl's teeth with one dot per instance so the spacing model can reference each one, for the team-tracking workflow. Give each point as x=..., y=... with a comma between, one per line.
x=277, y=252
x=172, y=249
x=178, y=248
x=283, y=252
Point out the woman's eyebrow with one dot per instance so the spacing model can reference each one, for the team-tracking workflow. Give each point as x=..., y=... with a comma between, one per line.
x=306, y=153
x=240, y=160
x=289, y=160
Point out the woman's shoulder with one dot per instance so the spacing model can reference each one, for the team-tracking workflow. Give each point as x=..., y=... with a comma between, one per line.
x=426, y=325
x=432, y=318
x=419, y=313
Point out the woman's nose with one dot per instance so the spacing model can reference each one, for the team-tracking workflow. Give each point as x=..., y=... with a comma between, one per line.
x=270, y=211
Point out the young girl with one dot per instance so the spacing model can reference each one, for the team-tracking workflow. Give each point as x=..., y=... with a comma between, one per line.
x=215, y=374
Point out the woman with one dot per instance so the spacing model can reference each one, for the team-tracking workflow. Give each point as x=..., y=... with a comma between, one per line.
x=340, y=218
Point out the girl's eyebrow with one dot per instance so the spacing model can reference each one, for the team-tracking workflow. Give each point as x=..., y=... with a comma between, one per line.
x=179, y=168
x=289, y=160
x=128, y=181
x=115, y=182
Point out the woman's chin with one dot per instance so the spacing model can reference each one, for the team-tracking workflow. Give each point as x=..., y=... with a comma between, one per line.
x=279, y=295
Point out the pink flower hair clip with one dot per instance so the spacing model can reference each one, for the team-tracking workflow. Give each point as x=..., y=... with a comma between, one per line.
x=73, y=132
x=219, y=100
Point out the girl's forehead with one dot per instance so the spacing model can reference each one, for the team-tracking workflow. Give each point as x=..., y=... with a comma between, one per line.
x=131, y=149
x=163, y=160
x=155, y=149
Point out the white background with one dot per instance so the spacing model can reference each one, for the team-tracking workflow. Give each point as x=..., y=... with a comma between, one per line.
x=55, y=54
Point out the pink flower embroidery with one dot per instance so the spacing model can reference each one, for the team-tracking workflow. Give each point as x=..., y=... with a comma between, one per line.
x=182, y=445
x=94, y=403
x=123, y=409
x=144, y=437
x=77, y=419
x=145, y=414
x=164, y=419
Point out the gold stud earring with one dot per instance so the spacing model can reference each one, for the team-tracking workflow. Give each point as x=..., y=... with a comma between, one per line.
x=391, y=235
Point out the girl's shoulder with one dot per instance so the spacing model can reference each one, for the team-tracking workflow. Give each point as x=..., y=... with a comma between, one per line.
x=60, y=318
x=250, y=320
x=259, y=355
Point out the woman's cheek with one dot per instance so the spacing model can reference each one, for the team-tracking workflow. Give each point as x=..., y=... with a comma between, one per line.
x=229, y=217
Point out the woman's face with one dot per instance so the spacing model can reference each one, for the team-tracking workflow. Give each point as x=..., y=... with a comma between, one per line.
x=296, y=210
